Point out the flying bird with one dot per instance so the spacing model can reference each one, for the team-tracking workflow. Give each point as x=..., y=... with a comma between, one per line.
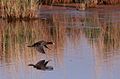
x=42, y=65
x=40, y=46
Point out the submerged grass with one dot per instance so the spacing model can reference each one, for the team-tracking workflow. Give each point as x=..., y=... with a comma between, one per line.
x=18, y=9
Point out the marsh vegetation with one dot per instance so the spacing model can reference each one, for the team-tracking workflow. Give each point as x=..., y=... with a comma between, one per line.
x=13, y=10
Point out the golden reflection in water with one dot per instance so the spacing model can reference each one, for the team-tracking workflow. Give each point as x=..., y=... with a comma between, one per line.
x=103, y=36
x=17, y=36
x=105, y=41
x=60, y=36
x=68, y=25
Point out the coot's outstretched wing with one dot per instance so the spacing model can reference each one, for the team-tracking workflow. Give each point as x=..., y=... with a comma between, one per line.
x=45, y=64
x=40, y=49
x=40, y=63
x=36, y=44
x=46, y=47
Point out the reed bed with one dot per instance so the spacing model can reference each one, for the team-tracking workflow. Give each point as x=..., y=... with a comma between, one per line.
x=13, y=10
x=18, y=9
x=27, y=9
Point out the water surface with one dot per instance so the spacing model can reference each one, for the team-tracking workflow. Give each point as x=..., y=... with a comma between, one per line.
x=87, y=45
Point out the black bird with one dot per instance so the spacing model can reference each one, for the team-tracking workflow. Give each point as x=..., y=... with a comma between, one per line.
x=40, y=46
x=42, y=65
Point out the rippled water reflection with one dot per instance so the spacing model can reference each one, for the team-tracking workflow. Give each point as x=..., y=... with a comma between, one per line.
x=87, y=45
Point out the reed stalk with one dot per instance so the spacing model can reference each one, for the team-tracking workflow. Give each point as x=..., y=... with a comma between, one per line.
x=18, y=9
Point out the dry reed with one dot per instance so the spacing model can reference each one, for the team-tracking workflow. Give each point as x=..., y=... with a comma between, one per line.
x=18, y=9
x=27, y=9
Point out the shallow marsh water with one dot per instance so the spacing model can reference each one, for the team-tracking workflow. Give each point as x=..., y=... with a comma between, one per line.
x=87, y=45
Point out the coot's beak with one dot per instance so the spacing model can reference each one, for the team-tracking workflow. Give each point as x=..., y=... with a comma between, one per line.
x=53, y=43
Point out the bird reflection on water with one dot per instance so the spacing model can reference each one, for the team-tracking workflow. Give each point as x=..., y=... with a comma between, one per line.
x=42, y=65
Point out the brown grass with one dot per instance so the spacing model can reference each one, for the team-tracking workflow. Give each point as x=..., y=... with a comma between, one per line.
x=18, y=9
